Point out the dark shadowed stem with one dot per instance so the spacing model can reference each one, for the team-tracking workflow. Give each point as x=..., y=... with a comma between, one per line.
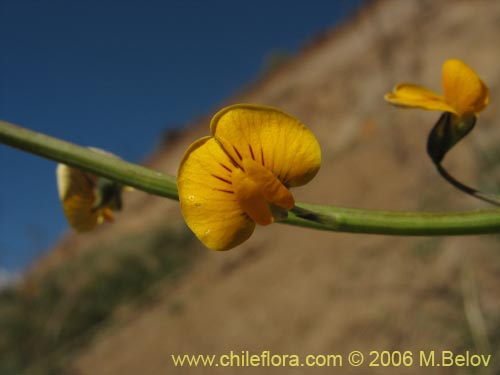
x=486, y=197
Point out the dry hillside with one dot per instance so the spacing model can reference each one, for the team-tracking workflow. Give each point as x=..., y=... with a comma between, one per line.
x=297, y=291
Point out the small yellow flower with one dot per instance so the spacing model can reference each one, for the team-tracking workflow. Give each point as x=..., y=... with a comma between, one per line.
x=241, y=174
x=464, y=92
x=87, y=200
x=464, y=95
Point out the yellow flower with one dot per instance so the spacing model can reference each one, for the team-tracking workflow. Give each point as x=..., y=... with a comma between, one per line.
x=87, y=200
x=464, y=96
x=464, y=92
x=241, y=174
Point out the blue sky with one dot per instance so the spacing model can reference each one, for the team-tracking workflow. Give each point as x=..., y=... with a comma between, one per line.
x=115, y=75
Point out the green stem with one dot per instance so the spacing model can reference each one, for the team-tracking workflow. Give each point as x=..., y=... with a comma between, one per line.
x=84, y=158
x=305, y=215
x=395, y=222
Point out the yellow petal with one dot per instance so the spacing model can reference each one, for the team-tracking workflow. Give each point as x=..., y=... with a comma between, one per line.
x=463, y=90
x=256, y=188
x=250, y=198
x=77, y=195
x=414, y=96
x=271, y=188
x=107, y=214
x=208, y=203
x=272, y=138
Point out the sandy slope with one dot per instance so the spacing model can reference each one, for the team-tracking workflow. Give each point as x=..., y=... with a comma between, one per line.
x=295, y=291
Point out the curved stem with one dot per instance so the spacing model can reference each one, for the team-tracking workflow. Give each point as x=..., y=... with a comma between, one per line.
x=84, y=158
x=486, y=197
x=306, y=215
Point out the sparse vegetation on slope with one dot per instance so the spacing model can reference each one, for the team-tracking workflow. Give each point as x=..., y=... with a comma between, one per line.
x=43, y=321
